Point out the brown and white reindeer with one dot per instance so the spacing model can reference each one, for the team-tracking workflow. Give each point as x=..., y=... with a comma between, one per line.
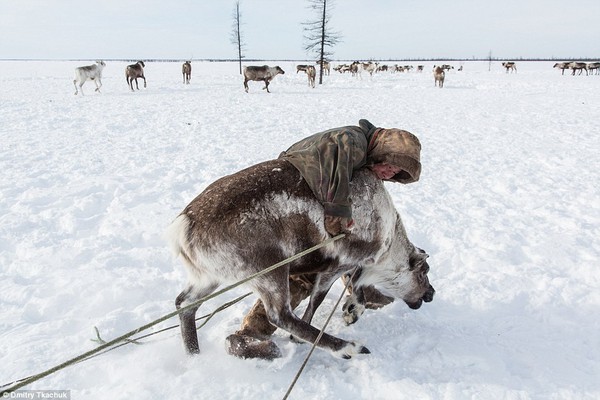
x=593, y=68
x=578, y=66
x=250, y=220
x=439, y=75
x=133, y=72
x=186, y=71
x=562, y=66
x=263, y=73
x=301, y=67
x=510, y=66
x=326, y=67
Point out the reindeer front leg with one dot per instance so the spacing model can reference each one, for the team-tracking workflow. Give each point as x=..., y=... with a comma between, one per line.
x=267, y=80
x=279, y=311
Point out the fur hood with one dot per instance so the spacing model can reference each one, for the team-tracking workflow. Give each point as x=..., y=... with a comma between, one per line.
x=396, y=147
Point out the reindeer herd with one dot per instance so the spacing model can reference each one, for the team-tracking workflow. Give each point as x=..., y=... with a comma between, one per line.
x=266, y=74
x=591, y=68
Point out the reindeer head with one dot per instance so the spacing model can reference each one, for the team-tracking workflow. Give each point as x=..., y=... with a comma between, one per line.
x=420, y=289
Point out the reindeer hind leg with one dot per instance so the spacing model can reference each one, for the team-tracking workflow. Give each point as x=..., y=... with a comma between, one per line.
x=192, y=293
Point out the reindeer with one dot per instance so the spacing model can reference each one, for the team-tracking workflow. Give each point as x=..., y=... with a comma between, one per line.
x=301, y=67
x=593, y=68
x=263, y=73
x=186, y=70
x=562, y=66
x=311, y=73
x=326, y=66
x=92, y=72
x=247, y=221
x=510, y=66
x=578, y=66
x=439, y=75
x=133, y=72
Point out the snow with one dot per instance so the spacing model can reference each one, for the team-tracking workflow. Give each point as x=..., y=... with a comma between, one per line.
x=507, y=207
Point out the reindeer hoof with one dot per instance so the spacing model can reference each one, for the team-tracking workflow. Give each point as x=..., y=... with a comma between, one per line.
x=244, y=346
x=351, y=349
x=352, y=312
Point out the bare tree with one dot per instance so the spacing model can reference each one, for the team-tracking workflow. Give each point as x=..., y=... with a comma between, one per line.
x=319, y=38
x=236, y=33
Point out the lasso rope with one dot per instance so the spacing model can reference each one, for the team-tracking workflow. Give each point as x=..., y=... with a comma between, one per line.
x=98, y=339
x=314, y=345
x=197, y=303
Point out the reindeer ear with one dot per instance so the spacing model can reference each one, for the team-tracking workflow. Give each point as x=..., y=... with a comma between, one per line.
x=417, y=258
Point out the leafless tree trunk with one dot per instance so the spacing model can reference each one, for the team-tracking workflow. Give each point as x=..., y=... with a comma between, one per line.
x=317, y=34
x=236, y=33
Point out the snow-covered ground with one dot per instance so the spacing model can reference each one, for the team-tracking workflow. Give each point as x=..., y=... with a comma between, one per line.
x=508, y=207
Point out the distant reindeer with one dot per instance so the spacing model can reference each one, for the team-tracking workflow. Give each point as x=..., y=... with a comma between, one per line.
x=311, y=72
x=261, y=73
x=593, y=68
x=578, y=66
x=186, y=70
x=326, y=66
x=439, y=75
x=301, y=67
x=562, y=66
x=133, y=72
x=510, y=66
x=92, y=72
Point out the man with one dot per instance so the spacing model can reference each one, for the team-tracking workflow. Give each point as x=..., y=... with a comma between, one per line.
x=327, y=161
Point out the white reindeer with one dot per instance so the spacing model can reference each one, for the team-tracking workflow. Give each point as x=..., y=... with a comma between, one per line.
x=92, y=72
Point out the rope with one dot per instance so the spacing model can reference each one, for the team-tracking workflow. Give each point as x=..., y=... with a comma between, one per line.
x=314, y=345
x=136, y=340
x=197, y=303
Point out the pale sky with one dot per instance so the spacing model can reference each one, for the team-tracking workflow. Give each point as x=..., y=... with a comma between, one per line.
x=272, y=29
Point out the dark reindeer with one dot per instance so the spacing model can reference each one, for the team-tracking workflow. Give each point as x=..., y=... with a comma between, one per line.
x=263, y=73
x=133, y=72
x=247, y=221
x=186, y=70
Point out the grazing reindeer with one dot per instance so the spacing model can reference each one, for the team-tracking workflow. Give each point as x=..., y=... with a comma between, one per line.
x=250, y=220
x=133, y=72
x=438, y=75
x=186, y=70
x=510, y=66
x=92, y=72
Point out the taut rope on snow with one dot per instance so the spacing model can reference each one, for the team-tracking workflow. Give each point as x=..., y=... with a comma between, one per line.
x=197, y=303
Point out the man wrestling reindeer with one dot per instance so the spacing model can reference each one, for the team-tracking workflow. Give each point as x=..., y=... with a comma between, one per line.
x=326, y=184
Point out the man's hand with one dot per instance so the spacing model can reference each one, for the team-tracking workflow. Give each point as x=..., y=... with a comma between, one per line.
x=336, y=225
